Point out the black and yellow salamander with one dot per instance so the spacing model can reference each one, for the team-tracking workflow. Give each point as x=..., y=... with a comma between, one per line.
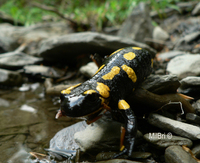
x=108, y=89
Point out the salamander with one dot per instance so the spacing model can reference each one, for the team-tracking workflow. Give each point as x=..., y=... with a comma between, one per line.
x=108, y=89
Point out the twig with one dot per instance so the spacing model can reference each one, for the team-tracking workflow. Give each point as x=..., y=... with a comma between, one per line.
x=52, y=9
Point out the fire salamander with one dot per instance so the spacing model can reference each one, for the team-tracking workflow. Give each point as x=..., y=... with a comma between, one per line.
x=108, y=89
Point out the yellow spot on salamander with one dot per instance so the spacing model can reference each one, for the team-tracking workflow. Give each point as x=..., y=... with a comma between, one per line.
x=133, y=89
x=117, y=51
x=122, y=104
x=130, y=72
x=99, y=69
x=129, y=55
x=136, y=48
x=90, y=91
x=152, y=62
x=68, y=90
x=103, y=90
x=114, y=71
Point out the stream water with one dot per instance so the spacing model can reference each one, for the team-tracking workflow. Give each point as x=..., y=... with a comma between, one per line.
x=27, y=122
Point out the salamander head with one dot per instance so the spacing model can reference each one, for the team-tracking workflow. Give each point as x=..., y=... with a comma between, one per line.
x=87, y=105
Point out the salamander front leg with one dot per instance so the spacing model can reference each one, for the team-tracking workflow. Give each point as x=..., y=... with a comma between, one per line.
x=130, y=128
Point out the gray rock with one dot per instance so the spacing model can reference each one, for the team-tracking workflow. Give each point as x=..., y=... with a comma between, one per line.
x=13, y=60
x=196, y=150
x=104, y=134
x=135, y=155
x=64, y=139
x=193, y=118
x=138, y=25
x=176, y=154
x=186, y=65
x=161, y=84
x=161, y=141
x=183, y=129
x=160, y=34
x=190, y=81
x=188, y=42
x=4, y=103
x=196, y=10
x=11, y=37
x=170, y=55
x=36, y=70
x=66, y=48
x=89, y=70
x=10, y=78
x=118, y=161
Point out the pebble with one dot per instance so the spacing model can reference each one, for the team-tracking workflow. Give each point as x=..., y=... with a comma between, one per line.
x=176, y=154
x=196, y=10
x=196, y=150
x=13, y=60
x=43, y=71
x=184, y=66
x=191, y=117
x=162, y=141
x=183, y=129
x=89, y=70
x=188, y=42
x=160, y=34
x=171, y=54
x=190, y=81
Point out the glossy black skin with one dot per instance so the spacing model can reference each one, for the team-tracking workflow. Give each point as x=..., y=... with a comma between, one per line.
x=120, y=88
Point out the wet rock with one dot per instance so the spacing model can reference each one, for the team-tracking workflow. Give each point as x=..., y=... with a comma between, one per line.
x=161, y=141
x=196, y=10
x=89, y=70
x=16, y=60
x=66, y=48
x=4, y=103
x=42, y=71
x=118, y=161
x=161, y=84
x=64, y=139
x=11, y=37
x=186, y=65
x=183, y=129
x=135, y=155
x=193, y=118
x=102, y=135
x=10, y=78
x=170, y=55
x=138, y=25
x=196, y=106
x=188, y=42
x=190, y=86
x=196, y=150
x=176, y=154
x=190, y=81
x=160, y=34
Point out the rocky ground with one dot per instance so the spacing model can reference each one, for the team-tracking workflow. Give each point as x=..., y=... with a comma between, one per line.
x=39, y=61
